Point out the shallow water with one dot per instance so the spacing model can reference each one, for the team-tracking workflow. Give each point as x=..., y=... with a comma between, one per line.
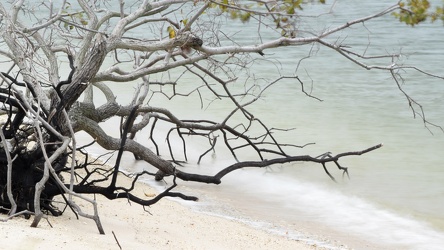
x=395, y=195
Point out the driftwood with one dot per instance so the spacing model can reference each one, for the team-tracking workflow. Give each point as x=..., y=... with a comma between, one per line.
x=42, y=113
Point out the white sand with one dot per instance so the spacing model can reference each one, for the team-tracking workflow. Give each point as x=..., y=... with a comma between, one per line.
x=168, y=225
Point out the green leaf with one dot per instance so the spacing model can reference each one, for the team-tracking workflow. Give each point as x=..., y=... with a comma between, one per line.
x=245, y=17
x=224, y=7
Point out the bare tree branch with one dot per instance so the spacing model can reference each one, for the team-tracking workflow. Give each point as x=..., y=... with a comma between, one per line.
x=162, y=50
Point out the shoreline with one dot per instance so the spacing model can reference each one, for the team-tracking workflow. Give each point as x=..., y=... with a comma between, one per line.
x=172, y=224
x=165, y=225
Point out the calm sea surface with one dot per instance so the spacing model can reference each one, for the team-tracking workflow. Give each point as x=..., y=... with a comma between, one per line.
x=395, y=197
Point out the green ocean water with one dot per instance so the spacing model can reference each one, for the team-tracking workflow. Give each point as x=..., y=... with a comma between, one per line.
x=395, y=194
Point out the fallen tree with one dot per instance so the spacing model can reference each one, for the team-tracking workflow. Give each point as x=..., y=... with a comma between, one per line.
x=101, y=43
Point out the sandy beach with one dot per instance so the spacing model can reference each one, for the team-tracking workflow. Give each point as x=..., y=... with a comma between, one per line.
x=166, y=225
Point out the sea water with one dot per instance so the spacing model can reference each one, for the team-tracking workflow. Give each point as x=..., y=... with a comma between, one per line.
x=395, y=195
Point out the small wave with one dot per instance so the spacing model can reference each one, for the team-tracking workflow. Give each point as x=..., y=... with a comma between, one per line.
x=293, y=201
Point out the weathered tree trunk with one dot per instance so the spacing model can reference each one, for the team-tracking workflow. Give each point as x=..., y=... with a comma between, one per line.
x=28, y=166
x=65, y=97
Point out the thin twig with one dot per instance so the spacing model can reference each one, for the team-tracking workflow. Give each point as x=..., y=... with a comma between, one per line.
x=117, y=241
